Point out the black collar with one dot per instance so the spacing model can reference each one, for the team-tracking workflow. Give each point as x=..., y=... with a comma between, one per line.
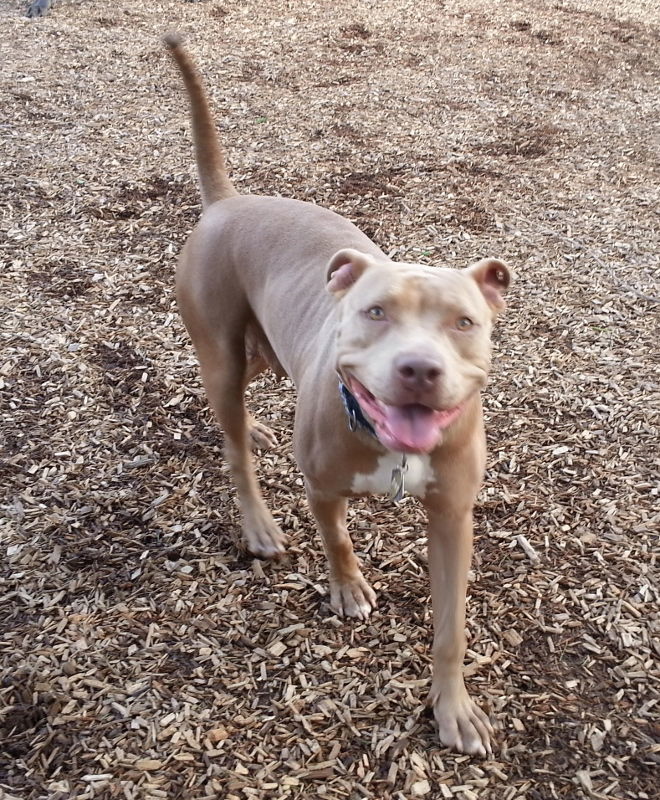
x=356, y=419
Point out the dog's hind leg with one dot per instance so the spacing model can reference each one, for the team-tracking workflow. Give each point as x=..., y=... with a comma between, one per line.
x=261, y=436
x=218, y=319
x=224, y=371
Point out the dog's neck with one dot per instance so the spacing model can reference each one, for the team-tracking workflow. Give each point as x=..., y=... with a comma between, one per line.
x=358, y=422
x=356, y=419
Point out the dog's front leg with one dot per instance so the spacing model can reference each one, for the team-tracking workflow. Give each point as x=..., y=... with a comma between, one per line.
x=461, y=724
x=350, y=594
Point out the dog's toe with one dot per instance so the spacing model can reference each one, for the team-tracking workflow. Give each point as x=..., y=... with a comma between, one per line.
x=261, y=436
x=263, y=535
x=462, y=725
x=352, y=597
x=266, y=549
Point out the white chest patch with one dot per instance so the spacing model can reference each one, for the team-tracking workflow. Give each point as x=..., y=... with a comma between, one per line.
x=417, y=475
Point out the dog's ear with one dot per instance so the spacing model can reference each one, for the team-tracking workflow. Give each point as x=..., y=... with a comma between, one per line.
x=345, y=268
x=493, y=278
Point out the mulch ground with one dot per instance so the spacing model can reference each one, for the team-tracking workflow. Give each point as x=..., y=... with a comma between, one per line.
x=143, y=653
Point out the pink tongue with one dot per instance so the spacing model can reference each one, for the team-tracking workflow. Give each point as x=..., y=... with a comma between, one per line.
x=414, y=427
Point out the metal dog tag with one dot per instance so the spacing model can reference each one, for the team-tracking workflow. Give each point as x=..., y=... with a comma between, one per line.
x=398, y=483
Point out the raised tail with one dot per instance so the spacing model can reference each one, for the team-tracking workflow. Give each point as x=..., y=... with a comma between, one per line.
x=214, y=182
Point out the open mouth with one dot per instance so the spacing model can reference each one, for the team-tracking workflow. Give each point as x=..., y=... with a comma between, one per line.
x=410, y=428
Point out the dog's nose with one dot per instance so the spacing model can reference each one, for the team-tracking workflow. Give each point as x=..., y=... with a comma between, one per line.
x=418, y=373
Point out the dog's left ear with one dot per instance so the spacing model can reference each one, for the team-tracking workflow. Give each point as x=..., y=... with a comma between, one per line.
x=345, y=268
x=493, y=278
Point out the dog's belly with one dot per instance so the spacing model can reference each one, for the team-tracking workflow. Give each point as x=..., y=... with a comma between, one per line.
x=417, y=475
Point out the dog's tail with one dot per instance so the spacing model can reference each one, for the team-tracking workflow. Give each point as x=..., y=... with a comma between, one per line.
x=213, y=179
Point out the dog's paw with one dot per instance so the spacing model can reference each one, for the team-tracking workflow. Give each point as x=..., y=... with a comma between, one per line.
x=263, y=535
x=261, y=436
x=352, y=597
x=462, y=725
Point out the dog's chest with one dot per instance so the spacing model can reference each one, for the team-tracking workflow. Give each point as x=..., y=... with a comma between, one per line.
x=417, y=475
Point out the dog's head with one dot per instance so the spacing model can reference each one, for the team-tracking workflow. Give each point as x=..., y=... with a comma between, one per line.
x=413, y=342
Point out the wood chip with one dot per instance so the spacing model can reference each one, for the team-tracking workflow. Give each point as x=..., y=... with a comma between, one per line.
x=530, y=552
x=148, y=764
x=513, y=637
x=420, y=788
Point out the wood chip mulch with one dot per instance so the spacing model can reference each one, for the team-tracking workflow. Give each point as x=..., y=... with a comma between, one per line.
x=143, y=654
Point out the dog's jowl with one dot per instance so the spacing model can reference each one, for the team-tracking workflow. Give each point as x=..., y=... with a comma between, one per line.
x=388, y=360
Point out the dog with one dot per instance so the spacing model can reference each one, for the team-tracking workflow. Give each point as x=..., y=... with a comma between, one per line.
x=388, y=360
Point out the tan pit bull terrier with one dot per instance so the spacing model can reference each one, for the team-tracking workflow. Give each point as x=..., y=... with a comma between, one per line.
x=388, y=360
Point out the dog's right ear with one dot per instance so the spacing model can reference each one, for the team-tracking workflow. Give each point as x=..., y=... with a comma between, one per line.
x=344, y=269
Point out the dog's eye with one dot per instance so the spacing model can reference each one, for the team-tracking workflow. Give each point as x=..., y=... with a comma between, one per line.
x=464, y=323
x=376, y=313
